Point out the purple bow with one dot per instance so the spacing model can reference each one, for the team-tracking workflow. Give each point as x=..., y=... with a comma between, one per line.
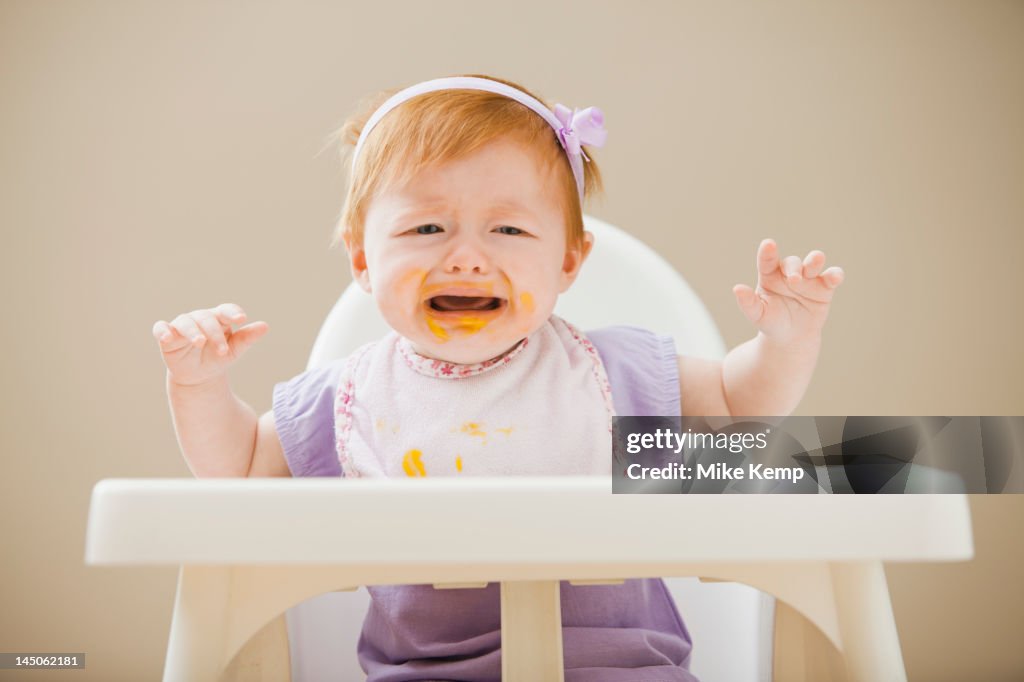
x=580, y=127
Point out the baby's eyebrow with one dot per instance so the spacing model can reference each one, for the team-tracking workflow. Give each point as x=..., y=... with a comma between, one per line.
x=510, y=206
x=434, y=206
x=413, y=211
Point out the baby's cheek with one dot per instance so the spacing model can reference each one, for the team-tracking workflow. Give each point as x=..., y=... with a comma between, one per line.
x=400, y=298
x=389, y=307
x=407, y=287
x=530, y=306
x=410, y=279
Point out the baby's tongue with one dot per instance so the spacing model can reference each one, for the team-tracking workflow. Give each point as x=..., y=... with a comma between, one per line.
x=458, y=303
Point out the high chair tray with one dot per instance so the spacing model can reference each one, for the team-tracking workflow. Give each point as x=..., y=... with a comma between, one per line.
x=541, y=525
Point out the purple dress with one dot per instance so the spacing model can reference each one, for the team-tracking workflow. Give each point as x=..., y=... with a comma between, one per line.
x=610, y=633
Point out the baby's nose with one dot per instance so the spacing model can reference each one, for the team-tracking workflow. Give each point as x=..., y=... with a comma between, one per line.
x=467, y=257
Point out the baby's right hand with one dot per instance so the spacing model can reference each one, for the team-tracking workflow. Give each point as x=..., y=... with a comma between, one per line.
x=198, y=346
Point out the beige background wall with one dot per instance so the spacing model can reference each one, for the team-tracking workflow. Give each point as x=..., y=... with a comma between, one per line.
x=156, y=158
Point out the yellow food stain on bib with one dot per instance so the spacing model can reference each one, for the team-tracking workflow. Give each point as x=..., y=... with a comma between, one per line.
x=458, y=463
x=473, y=429
x=412, y=464
x=506, y=431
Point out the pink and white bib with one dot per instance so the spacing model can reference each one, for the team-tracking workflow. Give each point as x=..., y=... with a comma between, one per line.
x=543, y=408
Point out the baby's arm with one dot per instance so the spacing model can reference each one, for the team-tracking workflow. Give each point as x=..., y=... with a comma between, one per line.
x=219, y=434
x=767, y=375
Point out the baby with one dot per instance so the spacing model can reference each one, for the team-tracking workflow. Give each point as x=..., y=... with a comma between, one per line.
x=464, y=221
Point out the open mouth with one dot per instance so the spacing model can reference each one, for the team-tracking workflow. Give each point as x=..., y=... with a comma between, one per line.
x=465, y=304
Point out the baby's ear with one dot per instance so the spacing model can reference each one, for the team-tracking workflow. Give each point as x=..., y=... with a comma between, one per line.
x=357, y=263
x=574, y=257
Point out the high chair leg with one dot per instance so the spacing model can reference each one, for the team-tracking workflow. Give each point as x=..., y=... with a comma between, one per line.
x=531, y=631
x=264, y=658
x=195, y=651
x=871, y=644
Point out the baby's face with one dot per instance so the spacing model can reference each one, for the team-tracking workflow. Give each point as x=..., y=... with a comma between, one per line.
x=470, y=256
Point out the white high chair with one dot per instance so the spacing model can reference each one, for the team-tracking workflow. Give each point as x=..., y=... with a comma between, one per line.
x=250, y=549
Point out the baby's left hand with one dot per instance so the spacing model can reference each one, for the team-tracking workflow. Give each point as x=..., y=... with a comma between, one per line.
x=792, y=297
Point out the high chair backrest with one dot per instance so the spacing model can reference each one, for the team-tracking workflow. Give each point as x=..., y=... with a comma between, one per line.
x=623, y=282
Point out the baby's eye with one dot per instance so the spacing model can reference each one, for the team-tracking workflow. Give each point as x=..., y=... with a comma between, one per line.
x=508, y=229
x=427, y=229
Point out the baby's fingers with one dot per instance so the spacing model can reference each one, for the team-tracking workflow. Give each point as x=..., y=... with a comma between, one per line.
x=791, y=267
x=169, y=339
x=767, y=257
x=813, y=264
x=821, y=288
x=833, y=277
x=229, y=314
x=186, y=326
x=752, y=305
x=245, y=336
x=212, y=329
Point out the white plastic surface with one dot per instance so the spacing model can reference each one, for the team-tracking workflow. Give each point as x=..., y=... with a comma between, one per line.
x=563, y=527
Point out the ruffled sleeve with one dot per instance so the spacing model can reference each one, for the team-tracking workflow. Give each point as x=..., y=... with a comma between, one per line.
x=304, y=418
x=642, y=369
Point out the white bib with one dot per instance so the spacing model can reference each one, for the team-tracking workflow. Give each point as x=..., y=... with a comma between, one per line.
x=543, y=408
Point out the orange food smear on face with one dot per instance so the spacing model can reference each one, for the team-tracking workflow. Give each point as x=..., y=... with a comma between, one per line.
x=471, y=324
x=468, y=324
x=412, y=276
x=433, y=289
x=413, y=465
x=437, y=330
x=526, y=300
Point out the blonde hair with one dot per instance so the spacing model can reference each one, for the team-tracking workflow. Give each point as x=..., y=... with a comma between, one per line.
x=442, y=126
